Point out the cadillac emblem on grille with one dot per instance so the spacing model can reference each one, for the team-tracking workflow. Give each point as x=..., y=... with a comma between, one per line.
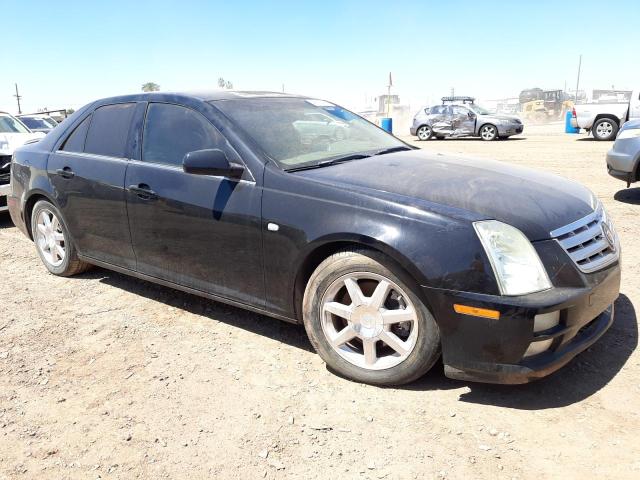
x=608, y=235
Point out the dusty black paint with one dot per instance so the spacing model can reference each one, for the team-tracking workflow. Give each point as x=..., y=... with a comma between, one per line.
x=208, y=235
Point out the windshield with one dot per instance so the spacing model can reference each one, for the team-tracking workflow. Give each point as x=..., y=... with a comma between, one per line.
x=298, y=132
x=8, y=124
x=478, y=110
x=34, y=122
x=50, y=121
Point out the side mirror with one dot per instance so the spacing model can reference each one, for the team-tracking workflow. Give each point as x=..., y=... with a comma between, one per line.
x=211, y=162
x=471, y=115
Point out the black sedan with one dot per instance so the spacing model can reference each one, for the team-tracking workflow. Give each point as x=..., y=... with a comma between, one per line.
x=388, y=255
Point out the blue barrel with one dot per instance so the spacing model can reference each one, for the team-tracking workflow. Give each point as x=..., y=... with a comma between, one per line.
x=387, y=124
x=567, y=123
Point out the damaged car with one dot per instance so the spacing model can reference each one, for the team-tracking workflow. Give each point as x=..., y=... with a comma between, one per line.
x=461, y=117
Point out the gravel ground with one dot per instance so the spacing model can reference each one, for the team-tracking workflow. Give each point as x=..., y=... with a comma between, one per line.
x=104, y=376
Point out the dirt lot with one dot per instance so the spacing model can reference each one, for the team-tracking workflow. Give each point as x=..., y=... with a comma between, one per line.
x=103, y=376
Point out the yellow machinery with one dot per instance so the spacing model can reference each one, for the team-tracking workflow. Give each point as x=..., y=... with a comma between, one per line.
x=539, y=106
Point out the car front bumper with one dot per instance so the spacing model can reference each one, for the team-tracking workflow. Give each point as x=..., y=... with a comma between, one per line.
x=623, y=158
x=5, y=191
x=510, y=129
x=493, y=351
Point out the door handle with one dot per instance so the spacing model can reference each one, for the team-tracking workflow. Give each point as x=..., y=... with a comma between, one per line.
x=65, y=172
x=143, y=191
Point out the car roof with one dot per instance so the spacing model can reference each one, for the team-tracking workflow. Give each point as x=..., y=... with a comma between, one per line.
x=203, y=95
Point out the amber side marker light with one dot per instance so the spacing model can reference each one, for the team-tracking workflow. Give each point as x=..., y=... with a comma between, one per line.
x=476, y=312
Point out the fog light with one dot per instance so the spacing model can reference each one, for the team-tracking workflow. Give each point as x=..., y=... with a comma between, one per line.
x=542, y=322
x=538, y=347
x=545, y=321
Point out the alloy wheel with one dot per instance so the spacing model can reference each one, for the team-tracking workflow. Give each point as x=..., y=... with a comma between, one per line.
x=424, y=133
x=50, y=238
x=488, y=132
x=369, y=321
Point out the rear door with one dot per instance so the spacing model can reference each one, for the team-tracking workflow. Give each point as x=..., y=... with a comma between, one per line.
x=202, y=232
x=439, y=120
x=87, y=172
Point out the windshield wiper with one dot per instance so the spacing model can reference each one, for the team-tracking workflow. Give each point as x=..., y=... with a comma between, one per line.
x=327, y=163
x=393, y=149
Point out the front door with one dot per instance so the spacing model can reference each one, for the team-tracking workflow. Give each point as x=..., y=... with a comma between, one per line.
x=202, y=232
x=87, y=173
x=463, y=121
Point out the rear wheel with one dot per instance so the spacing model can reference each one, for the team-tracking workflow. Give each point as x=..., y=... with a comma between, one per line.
x=366, y=323
x=53, y=242
x=488, y=132
x=424, y=132
x=605, y=129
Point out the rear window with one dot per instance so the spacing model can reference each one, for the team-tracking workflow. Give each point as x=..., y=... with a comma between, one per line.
x=109, y=130
x=438, y=109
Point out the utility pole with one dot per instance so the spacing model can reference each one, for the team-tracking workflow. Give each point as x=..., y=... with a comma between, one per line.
x=18, y=97
x=578, y=80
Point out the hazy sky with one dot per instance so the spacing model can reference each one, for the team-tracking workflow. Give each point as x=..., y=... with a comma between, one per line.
x=67, y=53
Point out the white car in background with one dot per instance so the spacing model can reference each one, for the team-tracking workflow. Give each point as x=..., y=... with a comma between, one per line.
x=13, y=134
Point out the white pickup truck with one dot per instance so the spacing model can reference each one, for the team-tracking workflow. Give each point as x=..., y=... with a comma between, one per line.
x=604, y=120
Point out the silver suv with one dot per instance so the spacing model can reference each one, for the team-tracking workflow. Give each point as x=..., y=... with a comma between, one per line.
x=461, y=117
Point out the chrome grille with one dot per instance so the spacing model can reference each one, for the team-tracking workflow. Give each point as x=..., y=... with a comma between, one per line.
x=586, y=242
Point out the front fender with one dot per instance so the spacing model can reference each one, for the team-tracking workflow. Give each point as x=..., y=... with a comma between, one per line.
x=434, y=249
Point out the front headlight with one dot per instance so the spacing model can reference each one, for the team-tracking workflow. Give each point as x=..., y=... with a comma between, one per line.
x=516, y=264
x=629, y=133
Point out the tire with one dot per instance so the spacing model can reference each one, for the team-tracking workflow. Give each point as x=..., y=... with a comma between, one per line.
x=361, y=351
x=605, y=129
x=53, y=242
x=488, y=132
x=424, y=133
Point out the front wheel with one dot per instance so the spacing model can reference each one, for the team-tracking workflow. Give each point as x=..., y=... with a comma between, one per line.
x=605, y=129
x=488, y=132
x=425, y=132
x=366, y=323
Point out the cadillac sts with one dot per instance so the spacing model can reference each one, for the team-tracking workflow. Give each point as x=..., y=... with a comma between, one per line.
x=390, y=256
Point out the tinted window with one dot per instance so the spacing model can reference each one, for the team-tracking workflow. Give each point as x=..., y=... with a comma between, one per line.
x=172, y=131
x=33, y=122
x=75, y=141
x=109, y=130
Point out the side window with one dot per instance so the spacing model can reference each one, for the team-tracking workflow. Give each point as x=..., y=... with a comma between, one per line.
x=172, y=131
x=459, y=110
x=109, y=130
x=75, y=141
x=438, y=109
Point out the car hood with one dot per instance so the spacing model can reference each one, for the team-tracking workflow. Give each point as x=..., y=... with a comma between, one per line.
x=532, y=201
x=10, y=141
x=503, y=118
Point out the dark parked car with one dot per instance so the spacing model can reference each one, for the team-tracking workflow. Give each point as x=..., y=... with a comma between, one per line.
x=390, y=256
